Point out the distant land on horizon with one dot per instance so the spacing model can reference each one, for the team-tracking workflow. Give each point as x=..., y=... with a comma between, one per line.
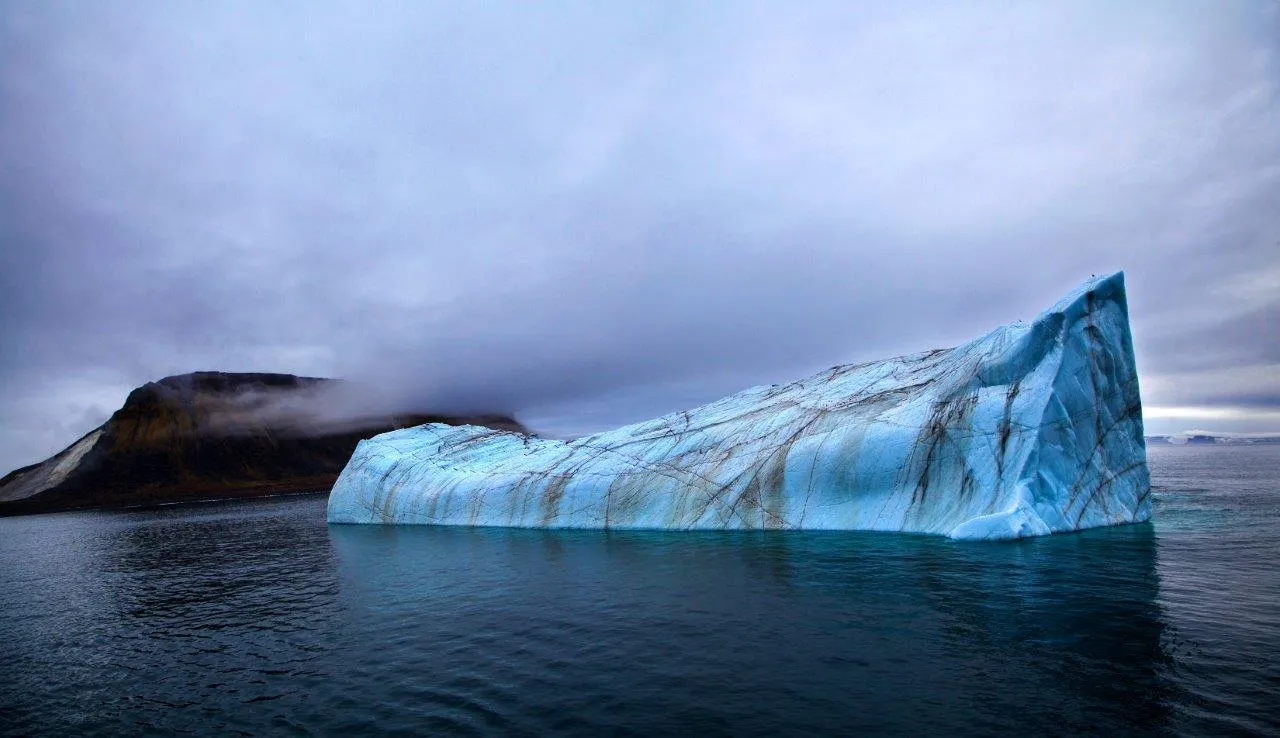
x=1209, y=439
x=208, y=435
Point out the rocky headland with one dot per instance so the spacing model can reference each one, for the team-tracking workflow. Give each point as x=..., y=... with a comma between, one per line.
x=209, y=435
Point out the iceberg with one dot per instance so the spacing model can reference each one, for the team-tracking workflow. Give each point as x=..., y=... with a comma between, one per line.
x=1031, y=429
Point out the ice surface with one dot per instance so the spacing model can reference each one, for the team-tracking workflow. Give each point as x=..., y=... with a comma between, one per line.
x=1031, y=429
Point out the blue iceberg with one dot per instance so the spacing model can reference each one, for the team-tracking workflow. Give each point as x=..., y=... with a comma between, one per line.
x=1034, y=428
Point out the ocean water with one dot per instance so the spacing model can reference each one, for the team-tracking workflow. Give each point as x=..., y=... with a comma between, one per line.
x=258, y=618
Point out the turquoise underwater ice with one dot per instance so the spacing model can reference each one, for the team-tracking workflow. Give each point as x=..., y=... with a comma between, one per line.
x=1034, y=428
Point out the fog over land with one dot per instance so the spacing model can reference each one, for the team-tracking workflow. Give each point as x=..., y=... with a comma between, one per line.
x=591, y=214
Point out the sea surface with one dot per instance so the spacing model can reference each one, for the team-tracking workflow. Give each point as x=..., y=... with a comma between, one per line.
x=258, y=618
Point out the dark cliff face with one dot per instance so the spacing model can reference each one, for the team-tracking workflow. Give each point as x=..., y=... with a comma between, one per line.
x=203, y=435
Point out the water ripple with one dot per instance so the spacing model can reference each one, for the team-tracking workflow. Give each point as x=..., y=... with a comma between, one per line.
x=256, y=618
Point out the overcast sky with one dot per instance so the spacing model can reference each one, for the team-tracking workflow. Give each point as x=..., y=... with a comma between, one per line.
x=591, y=213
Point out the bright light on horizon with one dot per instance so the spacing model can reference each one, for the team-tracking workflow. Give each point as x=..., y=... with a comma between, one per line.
x=1190, y=420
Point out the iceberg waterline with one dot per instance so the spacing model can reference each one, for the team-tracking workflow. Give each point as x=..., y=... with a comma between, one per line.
x=1032, y=429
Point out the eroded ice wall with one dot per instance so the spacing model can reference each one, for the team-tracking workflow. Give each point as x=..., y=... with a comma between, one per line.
x=1031, y=429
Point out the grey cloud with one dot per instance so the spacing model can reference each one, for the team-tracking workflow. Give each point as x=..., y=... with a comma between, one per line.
x=586, y=214
x=1248, y=339
x=1266, y=400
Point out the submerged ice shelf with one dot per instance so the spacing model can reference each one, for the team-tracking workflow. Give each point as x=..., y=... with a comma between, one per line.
x=1032, y=429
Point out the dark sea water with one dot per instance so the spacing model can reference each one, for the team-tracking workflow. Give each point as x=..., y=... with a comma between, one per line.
x=258, y=618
